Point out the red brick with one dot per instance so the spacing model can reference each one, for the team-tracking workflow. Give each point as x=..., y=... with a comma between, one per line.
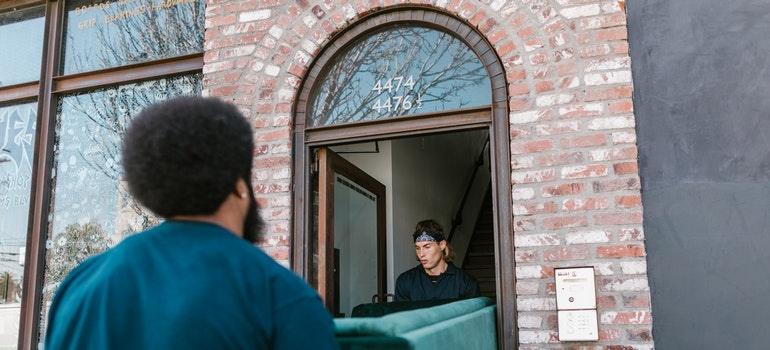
x=605, y=302
x=630, y=201
x=620, y=251
x=626, y=168
x=625, y=106
x=618, y=218
x=531, y=146
x=584, y=141
x=575, y=204
x=555, y=223
x=563, y=190
x=543, y=86
x=618, y=33
x=558, y=159
x=610, y=93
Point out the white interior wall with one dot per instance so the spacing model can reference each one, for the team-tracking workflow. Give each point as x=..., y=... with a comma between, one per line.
x=379, y=166
x=426, y=177
x=430, y=175
x=355, y=235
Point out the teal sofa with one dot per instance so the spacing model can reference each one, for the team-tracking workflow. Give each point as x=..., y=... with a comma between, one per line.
x=461, y=325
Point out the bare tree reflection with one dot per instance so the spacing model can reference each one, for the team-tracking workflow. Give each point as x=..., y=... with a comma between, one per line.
x=132, y=31
x=446, y=75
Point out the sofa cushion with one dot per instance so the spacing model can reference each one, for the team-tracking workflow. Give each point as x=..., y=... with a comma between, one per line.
x=405, y=321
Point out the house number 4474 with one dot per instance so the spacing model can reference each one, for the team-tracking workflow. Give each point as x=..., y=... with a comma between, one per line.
x=399, y=97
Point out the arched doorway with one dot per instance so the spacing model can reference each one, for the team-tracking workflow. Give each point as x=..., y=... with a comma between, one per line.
x=354, y=92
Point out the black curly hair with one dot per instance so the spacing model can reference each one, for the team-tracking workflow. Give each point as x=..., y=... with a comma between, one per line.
x=184, y=156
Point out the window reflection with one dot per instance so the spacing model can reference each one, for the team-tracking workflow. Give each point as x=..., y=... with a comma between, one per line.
x=399, y=71
x=91, y=209
x=17, y=134
x=103, y=34
x=21, y=45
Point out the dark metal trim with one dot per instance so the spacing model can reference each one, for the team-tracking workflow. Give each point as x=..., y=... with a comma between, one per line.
x=34, y=269
x=127, y=74
x=13, y=93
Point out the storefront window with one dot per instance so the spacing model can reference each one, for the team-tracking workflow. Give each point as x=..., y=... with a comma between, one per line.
x=104, y=34
x=17, y=133
x=399, y=71
x=91, y=208
x=21, y=45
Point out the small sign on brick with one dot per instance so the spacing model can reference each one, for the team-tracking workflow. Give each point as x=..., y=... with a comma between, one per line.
x=576, y=304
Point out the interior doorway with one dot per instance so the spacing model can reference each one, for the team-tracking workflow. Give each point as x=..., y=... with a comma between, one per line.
x=371, y=194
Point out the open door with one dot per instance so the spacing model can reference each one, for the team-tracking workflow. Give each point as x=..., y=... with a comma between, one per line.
x=351, y=221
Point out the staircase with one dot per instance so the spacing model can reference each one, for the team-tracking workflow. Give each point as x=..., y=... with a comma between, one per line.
x=479, y=259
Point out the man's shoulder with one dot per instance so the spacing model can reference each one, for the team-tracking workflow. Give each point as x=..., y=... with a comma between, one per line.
x=411, y=273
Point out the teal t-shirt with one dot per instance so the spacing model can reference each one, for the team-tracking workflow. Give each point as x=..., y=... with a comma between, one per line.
x=186, y=285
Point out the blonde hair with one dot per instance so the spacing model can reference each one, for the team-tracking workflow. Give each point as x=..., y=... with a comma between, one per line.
x=432, y=225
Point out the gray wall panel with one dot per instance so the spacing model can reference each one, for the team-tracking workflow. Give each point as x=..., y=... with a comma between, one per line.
x=702, y=99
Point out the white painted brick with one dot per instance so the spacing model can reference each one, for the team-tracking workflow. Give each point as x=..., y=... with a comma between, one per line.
x=523, y=162
x=527, y=287
x=496, y=5
x=628, y=285
x=254, y=15
x=285, y=95
x=609, y=64
x=608, y=78
x=257, y=66
x=534, y=337
x=603, y=268
x=309, y=20
x=598, y=155
x=553, y=99
x=633, y=267
x=349, y=12
x=581, y=11
x=535, y=271
x=536, y=240
x=621, y=122
x=611, y=7
x=309, y=46
x=597, y=108
x=587, y=237
x=282, y=173
x=535, y=304
x=520, y=193
x=526, y=117
x=624, y=137
x=531, y=176
x=609, y=317
x=529, y=321
x=276, y=32
x=272, y=70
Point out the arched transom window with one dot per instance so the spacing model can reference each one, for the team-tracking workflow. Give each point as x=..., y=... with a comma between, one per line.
x=395, y=71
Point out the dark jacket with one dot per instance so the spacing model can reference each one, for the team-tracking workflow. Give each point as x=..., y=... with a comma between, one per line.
x=415, y=285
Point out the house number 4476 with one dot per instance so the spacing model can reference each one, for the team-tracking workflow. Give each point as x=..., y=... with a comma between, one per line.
x=402, y=99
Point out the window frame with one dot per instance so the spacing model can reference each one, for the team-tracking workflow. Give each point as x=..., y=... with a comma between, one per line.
x=494, y=117
x=46, y=92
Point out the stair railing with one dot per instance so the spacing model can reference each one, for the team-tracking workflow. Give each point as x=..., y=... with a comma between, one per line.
x=458, y=218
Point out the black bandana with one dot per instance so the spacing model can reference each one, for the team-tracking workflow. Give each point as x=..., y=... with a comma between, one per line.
x=428, y=235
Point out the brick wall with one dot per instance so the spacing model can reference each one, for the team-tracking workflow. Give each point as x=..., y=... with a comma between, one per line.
x=576, y=190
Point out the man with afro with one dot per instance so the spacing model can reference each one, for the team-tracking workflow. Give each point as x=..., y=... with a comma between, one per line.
x=195, y=281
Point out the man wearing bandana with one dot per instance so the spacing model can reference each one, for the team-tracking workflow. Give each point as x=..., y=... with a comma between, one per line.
x=436, y=277
x=196, y=281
